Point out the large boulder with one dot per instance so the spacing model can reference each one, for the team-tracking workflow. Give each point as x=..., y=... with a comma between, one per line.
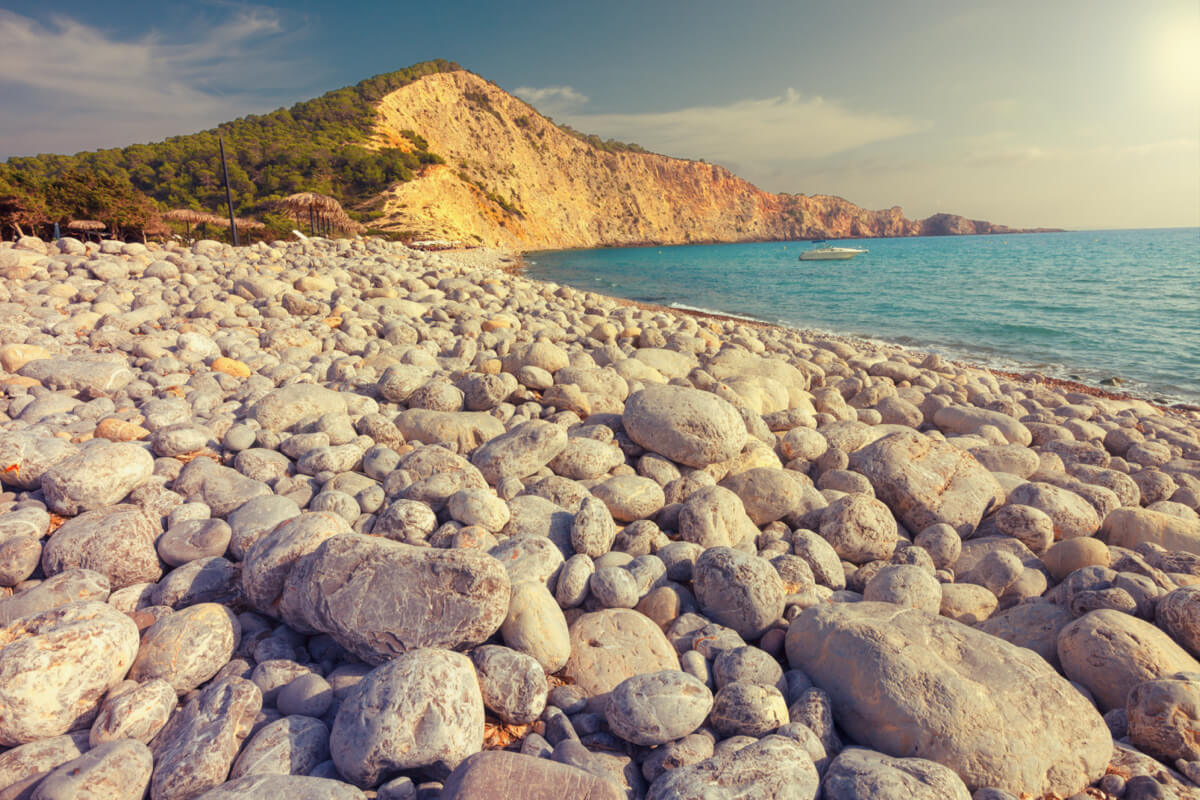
x=499, y=773
x=117, y=542
x=380, y=598
x=97, y=476
x=1129, y=527
x=909, y=683
x=773, y=768
x=859, y=774
x=1110, y=652
x=688, y=426
x=925, y=482
x=614, y=644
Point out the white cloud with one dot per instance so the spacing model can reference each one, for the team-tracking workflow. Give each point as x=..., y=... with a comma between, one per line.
x=81, y=86
x=551, y=100
x=753, y=135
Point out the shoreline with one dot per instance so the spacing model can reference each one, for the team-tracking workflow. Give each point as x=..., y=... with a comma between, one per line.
x=1030, y=376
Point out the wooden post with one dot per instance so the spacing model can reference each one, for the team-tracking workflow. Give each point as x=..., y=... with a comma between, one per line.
x=228, y=194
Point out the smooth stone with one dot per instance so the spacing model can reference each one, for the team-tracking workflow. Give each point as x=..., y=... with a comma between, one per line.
x=1032, y=625
x=905, y=585
x=379, y=598
x=33, y=760
x=715, y=517
x=614, y=644
x=535, y=626
x=925, y=482
x=688, y=426
x=479, y=507
x=741, y=708
x=188, y=647
x=267, y=566
x=139, y=713
x=57, y=665
x=1066, y=556
x=293, y=787
x=421, y=709
x=520, y=452
x=256, y=517
x=1178, y=613
x=738, y=590
x=996, y=714
x=118, y=770
x=195, y=750
x=860, y=529
x=205, y=580
x=858, y=773
x=968, y=603
x=593, y=530
x=1071, y=514
x=655, y=708
x=68, y=586
x=293, y=745
x=194, y=539
x=282, y=408
x=1130, y=527
x=307, y=695
x=33, y=454
x=773, y=768
x=768, y=494
x=95, y=374
x=499, y=773
x=99, y=475
x=513, y=684
x=1110, y=653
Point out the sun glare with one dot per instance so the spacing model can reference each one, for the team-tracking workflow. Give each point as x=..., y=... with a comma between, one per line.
x=1177, y=57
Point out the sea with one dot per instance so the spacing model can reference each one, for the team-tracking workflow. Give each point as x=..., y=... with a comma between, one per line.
x=1118, y=309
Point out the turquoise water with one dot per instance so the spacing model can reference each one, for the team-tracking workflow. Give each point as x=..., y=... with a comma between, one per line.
x=1086, y=305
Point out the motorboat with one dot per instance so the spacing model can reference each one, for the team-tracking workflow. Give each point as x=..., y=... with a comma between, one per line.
x=831, y=253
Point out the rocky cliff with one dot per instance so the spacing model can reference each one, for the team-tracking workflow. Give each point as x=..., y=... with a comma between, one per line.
x=514, y=179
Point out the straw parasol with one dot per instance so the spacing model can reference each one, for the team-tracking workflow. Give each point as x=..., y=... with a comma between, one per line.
x=250, y=224
x=322, y=210
x=189, y=217
x=85, y=225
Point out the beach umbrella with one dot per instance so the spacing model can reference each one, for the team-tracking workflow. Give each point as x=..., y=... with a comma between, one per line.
x=85, y=225
x=189, y=217
x=312, y=203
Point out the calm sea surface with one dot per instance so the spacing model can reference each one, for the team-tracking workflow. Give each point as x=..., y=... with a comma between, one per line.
x=1085, y=305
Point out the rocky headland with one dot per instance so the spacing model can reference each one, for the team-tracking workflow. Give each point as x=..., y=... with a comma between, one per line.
x=340, y=519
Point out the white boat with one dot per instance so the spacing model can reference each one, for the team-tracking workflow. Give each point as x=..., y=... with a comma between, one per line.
x=830, y=253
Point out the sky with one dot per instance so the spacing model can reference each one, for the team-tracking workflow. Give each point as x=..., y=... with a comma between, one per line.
x=1072, y=113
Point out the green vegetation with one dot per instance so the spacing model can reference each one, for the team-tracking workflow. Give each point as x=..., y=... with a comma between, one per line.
x=314, y=146
x=607, y=145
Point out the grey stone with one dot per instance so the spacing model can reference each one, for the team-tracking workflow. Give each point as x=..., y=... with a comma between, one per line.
x=187, y=648
x=861, y=774
x=767, y=493
x=593, y=530
x=99, y=475
x=56, y=666
x=906, y=585
x=422, y=709
x=774, y=768
x=535, y=626
x=96, y=374
x=520, y=452
x=31, y=762
x=686, y=425
x=118, y=770
x=193, y=539
x=1163, y=718
x=269, y=563
x=139, y=713
x=307, y=695
x=117, y=542
x=996, y=714
x=289, y=746
x=68, y=586
x=614, y=644
x=741, y=708
x=1178, y=613
x=379, y=598
x=860, y=529
x=195, y=750
x=630, y=497
x=293, y=787
x=715, y=517
x=497, y=773
x=513, y=685
x=741, y=591
x=655, y=708
x=33, y=454
x=282, y=408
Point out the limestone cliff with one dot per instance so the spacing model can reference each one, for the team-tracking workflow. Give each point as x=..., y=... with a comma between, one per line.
x=514, y=179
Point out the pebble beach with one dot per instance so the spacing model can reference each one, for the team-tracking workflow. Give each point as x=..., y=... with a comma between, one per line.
x=341, y=519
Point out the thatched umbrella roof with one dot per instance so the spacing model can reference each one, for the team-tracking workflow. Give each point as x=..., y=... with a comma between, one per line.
x=190, y=216
x=302, y=201
x=156, y=228
x=250, y=224
x=85, y=225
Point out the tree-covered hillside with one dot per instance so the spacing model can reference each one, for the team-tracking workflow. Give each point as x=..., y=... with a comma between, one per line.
x=314, y=146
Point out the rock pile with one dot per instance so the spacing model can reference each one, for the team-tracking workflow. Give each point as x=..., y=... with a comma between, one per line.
x=339, y=519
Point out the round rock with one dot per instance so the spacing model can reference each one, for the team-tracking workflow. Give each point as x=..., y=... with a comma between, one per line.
x=658, y=707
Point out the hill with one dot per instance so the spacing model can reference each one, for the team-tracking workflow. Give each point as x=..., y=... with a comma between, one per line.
x=435, y=151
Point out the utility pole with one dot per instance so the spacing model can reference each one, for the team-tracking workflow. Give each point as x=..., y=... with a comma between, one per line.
x=228, y=194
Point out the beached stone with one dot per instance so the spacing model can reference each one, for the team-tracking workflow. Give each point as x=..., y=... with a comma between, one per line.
x=421, y=709
x=282, y=408
x=630, y=497
x=1178, y=613
x=925, y=482
x=535, y=626
x=188, y=647
x=996, y=714
x=222, y=489
x=118, y=770
x=56, y=666
x=1130, y=527
x=1071, y=554
x=585, y=458
x=967, y=603
x=738, y=590
x=614, y=644
x=767, y=494
x=1109, y=653
x=21, y=767
x=741, y=708
x=69, y=586
x=774, y=768
x=25, y=456
x=379, y=598
x=293, y=787
x=860, y=529
x=520, y=452
x=499, y=773
x=968, y=420
x=858, y=773
x=194, y=539
x=99, y=475
x=481, y=507
x=688, y=426
x=465, y=431
x=593, y=530
x=293, y=745
x=1071, y=515
x=195, y=750
x=905, y=585
x=139, y=713
x=268, y=564
x=96, y=374
x=513, y=685
x=205, y=580
x=658, y=707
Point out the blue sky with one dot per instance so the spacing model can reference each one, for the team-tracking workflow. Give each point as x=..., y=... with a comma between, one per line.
x=1072, y=113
